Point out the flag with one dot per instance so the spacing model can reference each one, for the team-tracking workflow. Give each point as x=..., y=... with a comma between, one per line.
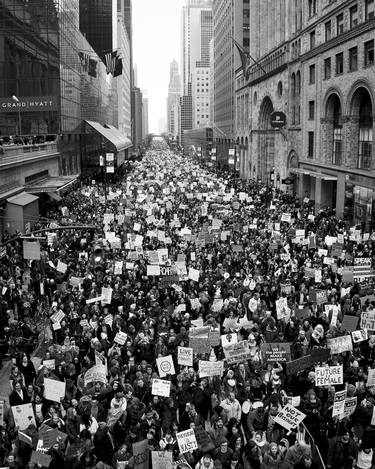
x=92, y=68
x=245, y=59
x=88, y=64
x=113, y=63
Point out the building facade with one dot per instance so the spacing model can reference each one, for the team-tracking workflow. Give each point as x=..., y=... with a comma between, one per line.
x=137, y=117
x=174, y=93
x=145, y=130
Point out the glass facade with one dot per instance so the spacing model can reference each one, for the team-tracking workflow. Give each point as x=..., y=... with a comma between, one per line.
x=96, y=23
x=29, y=68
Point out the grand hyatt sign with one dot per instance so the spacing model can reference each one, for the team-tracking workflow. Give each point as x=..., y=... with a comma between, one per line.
x=29, y=104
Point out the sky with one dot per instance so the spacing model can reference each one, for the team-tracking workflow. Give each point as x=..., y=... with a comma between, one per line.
x=156, y=42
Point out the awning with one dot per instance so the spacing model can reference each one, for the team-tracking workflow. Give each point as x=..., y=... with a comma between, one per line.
x=5, y=195
x=22, y=199
x=112, y=134
x=315, y=174
x=54, y=196
x=51, y=184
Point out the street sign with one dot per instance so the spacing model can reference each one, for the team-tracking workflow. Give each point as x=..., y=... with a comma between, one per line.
x=278, y=120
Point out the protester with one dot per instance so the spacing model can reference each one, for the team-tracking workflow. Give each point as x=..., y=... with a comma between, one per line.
x=213, y=319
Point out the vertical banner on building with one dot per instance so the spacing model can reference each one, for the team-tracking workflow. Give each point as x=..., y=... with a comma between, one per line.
x=231, y=153
x=110, y=162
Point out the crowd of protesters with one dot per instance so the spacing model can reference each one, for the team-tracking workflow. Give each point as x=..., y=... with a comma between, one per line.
x=175, y=248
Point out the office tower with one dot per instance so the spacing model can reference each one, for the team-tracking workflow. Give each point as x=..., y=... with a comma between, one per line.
x=173, y=99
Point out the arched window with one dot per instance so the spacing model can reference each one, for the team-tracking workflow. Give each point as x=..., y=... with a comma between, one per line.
x=293, y=85
x=298, y=83
x=365, y=134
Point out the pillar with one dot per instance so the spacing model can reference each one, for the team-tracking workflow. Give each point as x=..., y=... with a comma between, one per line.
x=318, y=193
x=351, y=138
x=326, y=150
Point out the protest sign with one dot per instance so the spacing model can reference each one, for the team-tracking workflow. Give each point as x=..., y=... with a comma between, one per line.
x=31, y=250
x=214, y=337
x=276, y=352
x=106, y=295
x=317, y=355
x=359, y=336
x=49, y=364
x=207, y=368
x=61, y=267
x=100, y=359
x=2, y=404
x=349, y=323
x=185, y=356
x=329, y=375
x=194, y=274
x=141, y=454
x=350, y=406
x=237, y=353
x=120, y=338
x=339, y=403
x=153, y=270
x=94, y=300
x=203, y=440
x=54, y=390
x=165, y=366
x=228, y=339
x=289, y=417
x=40, y=459
x=160, y=387
x=199, y=340
x=370, y=378
x=181, y=463
x=187, y=441
x=95, y=373
x=340, y=344
x=162, y=459
x=23, y=416
x=368, y=320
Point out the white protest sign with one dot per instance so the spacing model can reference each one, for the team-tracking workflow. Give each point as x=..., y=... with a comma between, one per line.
x=210, y=368
x=371, y=377
x=153, y=270
x=359, y=336
x=194, y=274
x=23, y=416
x=340, y=344
x=61, y=267
x=368, y=320
x=160, y=387
x=289, y=417
x=329, y=375
x=106, y=295
x=49, y=364
x=96, y=373
x=118, y=267
x=237, y=353
x=54, y=390
x=186, y=441
x=165, y=366
x=161, y=459
x=350, y=406
x=339, y=403
x=120, y=338
x=185, y=356
x=94, y=300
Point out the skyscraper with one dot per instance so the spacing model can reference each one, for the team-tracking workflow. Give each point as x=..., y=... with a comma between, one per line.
x=144, y=114
x=173, y=99
x=196, y=37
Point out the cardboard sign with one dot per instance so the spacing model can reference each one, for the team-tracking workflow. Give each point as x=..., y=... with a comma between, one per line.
x=23, y=416
x=187, y=441
x=350, y=406
x=41, y=459
x=165, y=366
x=368, y=320
x=359, y=336
x=300, y=364
x=106, y=295
x=31, y=250
x=371, y=378
x=185, y=356
x=340, y=344
x=54, y=390
x=49, y=364
x=289, y=417
x=120, y=338
x=160, y=387
x=329, y=375
x=237, y=353
x=276, y=352
x=204, y=442
x=162, y=459
x=96, y=373
x=207, y=368
x=339, y=403
x=141, y=454
x=349, y=323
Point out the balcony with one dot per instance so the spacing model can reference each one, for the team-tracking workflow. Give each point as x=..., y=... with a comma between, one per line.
x=18, y=154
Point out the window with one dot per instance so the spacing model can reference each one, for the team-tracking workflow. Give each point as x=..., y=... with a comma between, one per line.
x=340, y=23
x=311, y=110
x=369, y=52
x=312, y=74
x=246, y=42
x=339, y=63
x=337, y=145
x=365, y=147
x=353, y=16
x=353, y=59
x=328, y=30
x=327, y=68
x=312, y=40
x=310, y=149
x=312, y=8
x=370, y=10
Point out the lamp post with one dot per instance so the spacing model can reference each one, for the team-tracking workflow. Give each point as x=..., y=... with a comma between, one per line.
x=19, y=115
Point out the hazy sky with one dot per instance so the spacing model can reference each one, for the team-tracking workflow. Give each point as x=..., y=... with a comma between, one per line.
x=156, y=42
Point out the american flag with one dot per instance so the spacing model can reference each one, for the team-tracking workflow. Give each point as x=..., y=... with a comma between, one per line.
x=113, y=63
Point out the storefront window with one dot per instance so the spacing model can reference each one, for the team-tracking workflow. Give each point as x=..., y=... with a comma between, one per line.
x=364, y=206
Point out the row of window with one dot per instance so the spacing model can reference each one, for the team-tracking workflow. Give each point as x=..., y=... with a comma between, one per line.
x=336, y=26
x=368, y=60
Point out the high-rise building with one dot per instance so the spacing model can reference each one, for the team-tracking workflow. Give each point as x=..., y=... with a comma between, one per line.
x=137, y=116
x=185, y=112
x=98, y=23
x=144, y=115
x=230, y=21
x=196, y=37
x=174, y=93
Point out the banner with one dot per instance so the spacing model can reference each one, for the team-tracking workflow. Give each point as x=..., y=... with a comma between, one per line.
x=185, y=356
x=289, y=417
x=161, y=387
x=23, y=416
x=237, y=353
x=141, y=455
x=165, y=366
x=54, y=390
x=340, y=344
x=368, y=320
x=276, y=352
x=210, y=368
x=96, y=373
x=162, y=459
x=329, y=375
x=186, y=441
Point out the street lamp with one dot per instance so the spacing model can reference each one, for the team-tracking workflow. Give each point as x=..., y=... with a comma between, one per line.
x=19, y=115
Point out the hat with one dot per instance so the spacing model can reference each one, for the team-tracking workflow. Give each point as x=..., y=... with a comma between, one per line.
x=231, y=382
x=226, y=275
